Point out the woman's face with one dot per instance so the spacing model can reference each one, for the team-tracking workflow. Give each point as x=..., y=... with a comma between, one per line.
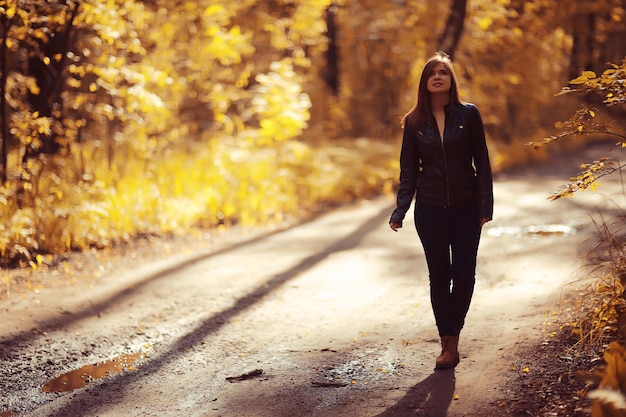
x=439, y=80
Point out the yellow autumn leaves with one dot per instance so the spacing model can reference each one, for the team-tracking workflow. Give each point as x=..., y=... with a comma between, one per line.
x=224, y=183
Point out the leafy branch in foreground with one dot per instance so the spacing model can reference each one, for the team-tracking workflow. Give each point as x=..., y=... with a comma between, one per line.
x=588, y=177
x=606, y=303
x=611, y=85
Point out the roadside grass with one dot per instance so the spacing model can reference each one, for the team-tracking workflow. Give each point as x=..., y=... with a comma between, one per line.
x=599, y=323
x=602, y=303
x=64, y=208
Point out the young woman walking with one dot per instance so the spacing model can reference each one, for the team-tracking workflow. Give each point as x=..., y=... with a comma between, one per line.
x=444, y=159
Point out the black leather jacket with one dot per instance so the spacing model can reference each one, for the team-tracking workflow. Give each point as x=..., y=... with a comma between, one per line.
x=449, y=172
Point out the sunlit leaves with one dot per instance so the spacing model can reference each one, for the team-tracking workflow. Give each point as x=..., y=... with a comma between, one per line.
x=10, y=11
x=587, y=179
x=582, y=121
x=611, y=84
x=29, y=126
x=225, y=183
x=228, y=47
x=280, y=104
x=177, y=112
x=20, y=231
x=586, y=76
x=501, y=31
x=298, y=25
x=33, y=22
x=485, y=22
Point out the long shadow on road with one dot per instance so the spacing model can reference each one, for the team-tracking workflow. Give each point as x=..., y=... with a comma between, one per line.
x=429, y=398
x=219, y=320
x=130, y=291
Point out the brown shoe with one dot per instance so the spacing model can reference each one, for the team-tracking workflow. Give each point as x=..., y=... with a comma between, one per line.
x=449, y=357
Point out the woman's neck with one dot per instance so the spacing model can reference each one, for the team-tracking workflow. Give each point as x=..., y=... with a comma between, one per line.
x=439, y=101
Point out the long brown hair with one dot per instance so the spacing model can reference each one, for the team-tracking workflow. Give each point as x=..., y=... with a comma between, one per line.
x=421, y=113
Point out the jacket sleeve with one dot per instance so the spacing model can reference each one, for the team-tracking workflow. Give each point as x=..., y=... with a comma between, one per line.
x=409, y=168
x=482, y=164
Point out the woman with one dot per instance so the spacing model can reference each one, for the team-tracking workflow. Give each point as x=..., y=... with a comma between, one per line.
x=444, y=159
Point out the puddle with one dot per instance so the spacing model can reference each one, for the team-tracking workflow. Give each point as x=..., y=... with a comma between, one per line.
x=83, y=376
x=532, y=231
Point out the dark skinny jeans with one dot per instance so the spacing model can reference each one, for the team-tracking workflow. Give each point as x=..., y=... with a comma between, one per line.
x=450, y=238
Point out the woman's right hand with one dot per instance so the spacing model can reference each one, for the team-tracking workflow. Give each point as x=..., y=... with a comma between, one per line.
x=394, y=226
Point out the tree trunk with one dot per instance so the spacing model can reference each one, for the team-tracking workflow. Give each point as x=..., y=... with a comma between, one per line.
x=50, y=79
x=449, y=39
x=331, y=73
x=581, y=57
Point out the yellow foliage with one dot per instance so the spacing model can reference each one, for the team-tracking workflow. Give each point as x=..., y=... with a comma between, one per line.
x=609, y=400
x=228, y=182
x=485, y=23
x=197, y=105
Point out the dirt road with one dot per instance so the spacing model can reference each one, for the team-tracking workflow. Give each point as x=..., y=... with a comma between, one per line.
x=333, y=315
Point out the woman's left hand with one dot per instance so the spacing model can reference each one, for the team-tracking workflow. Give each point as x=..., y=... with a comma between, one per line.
x=484, y=220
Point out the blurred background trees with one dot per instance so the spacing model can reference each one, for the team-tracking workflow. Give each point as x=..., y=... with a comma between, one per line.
x=128, y=117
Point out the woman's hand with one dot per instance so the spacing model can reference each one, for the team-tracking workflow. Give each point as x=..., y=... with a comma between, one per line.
x=394, y=226
x=483, y=221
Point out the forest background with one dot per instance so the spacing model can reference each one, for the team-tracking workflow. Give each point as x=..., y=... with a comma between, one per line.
x=124, y=118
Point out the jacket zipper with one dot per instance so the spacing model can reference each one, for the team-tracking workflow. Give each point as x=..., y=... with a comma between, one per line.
x=445, y=165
